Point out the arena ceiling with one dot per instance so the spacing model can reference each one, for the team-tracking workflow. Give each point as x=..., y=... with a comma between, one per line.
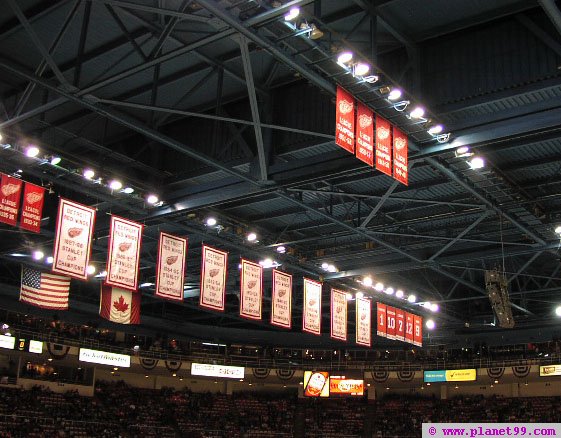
x=221, y=108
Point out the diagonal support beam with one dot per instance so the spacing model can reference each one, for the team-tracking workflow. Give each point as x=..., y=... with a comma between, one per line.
x=379, y=205
x=553, y=12
x=524, y=266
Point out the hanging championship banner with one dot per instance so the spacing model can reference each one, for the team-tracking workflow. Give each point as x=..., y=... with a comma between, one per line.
x=32, y=208
x=10, y=194
x=281, y=308
x=123, y=257
x=213, y=278
x=365, y=134
x=363, y=322
x=251, y=289
x=390, y=324
x=409, y=335
x=418, y=328
x=400, y=146
x=73, y=239
x=338, y=315
x=345, y=120
x=383, y=146
x=399, y=324
x=312, y=307
x=381, y=319
x=170, y=270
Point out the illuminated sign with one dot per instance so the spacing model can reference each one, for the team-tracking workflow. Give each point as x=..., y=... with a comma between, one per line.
x=208, y=370
x=468, y=375
x=104, y=358
x=316, y=384
x=340, y=386
x=550, y=370
x=7, y=342
x=35, y=346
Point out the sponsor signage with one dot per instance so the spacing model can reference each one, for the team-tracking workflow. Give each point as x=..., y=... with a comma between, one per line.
x=316, y=384
x=341, y=386
x=467, y=375
x=8, y=342
x=104, y=358
x=550, y=370
x=209, y=370
x=35, y=346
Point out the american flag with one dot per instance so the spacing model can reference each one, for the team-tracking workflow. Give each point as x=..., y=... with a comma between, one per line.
x=45, y=290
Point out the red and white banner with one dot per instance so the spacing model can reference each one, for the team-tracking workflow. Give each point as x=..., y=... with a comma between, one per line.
x=170, y=270
x=338, y=315
x=123, y=259
x=365, y=134
x=281, y=307
x=251, y=289
x=383, y=145
x=400, y=146
x=32, y=208
x=213, y=278
x=119, y=305
x=363, y=322
x=73, y=239
x=399, y=324
x=345, y=120
x=312, y=307
x=10, y=195
x=409, y=335
x=418, y=331
x=381, y=319
x=390, y=325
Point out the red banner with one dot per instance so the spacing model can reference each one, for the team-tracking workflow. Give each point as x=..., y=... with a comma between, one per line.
x=338, y=315
x=390, y=325
x=123, y=258
x=365, y=134
x=363, y=322
x=418, y=331
x=381, y=319
x=400, y=146
x=383, y=145
x=32, y=208
x=312, y=307
x=73, y=239
x=399, y=324
x=281, y=308
x=10, y=195
x=213, y=278
x=170, y=270
x=409, y=336
x=251, y=289
x=345, y=120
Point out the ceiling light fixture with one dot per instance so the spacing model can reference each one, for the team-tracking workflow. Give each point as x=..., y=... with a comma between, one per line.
x=360, y=69
x=90, y=269
x=292, y=14
x=344, y=57
x=430, y=324
x=359, y=295
x=128, y=190
x=88, y=173
x=434, y=307
x=389, y=291
x=367, y=281
x=399, y=293
x=281, y=249
x=115, y=184
x=38, y=255
x=55, y=160
x=331, y=268
x=211, y=221
x=251, y=237
x=50, y=260
x=476, y=163
x=435, y=129
x=152, y=199
x=394, y=94
x=379, y=287
x=417, y=112
x=411, y=298
x=32, y=151
x=325, y=266
x=558, y=311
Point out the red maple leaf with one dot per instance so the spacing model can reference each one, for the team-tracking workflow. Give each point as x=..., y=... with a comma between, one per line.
x=121, y=305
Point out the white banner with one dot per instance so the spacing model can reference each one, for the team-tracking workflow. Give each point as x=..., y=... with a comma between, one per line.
x=35, y=346
x=208, y=370
x=251, y=289
x=170, y=271
x=73, y=238
x=281, y=307
x=123, y=258
x=312, y=307
x=213, y=278
x=363, y=322
x=338, y=315
x=104, y=358
x=7, y=342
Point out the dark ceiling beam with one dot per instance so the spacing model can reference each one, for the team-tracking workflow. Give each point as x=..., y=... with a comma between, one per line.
x=552, y=11
x=184, y=16
x=36, y=12
x=538, y=31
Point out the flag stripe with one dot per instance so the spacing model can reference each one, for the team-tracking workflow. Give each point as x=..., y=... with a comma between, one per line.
x=31, y=291
x=32, y=298
x=44, y=290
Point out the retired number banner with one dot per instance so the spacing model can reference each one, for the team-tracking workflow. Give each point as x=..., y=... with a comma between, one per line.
x=400, y=145
x=251, y=289
x=312, y=307
x=170, y=270
x=10, y=194
x=123, y=257
x=32, y=209
x=409, y=335
x=338, y=315
x=365, y=134
x=390, y=324
x=73, y=239
x=383, y=146
x=213, y=278
x=381, y=319
x=399, y=324
x=363, y=322
x=418, y=327
x=345, y=120
x=281, y=310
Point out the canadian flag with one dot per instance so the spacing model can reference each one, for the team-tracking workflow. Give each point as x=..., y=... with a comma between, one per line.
x=119, y=305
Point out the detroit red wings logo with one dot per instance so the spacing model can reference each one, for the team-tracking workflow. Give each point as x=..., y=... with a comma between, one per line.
x=171, y=260
x=382, y=133
x=345, y=106
x=33, y=197
x=364, y=121
x=400, y=143
x=10, y=189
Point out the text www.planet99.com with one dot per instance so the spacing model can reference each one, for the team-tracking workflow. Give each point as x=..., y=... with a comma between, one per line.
x=473, y=430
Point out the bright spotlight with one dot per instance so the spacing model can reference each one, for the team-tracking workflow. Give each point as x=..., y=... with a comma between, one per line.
x=211, y=222
x=389, y=291
x=434, y=307
x=90, y=269
x=477, y=163
x=344, y=57
x=251, y=237
x=430, y=324
x=394, y=94
x=417, y=112
x=152, y=199
x=331, y=268
x=32, y=151
x=128, y=190
x=88, y=173
x=55, y=160
x=50, y=260
x=558, y=229
x=281, y=249
x=38, y=255
x=361, y=69
x=292, y=14
x=411, y=298
x=115, y=185
x=399, y=293
x=349, y=296
x=435, y=129
x=325, y=266
x=367, y=281
x=558, y=310
x=359, y=295
x=379, y=287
